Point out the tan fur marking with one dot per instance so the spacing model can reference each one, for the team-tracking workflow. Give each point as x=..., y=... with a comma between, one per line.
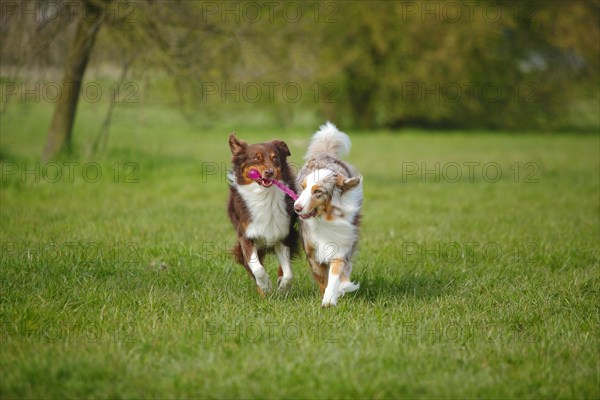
x=329, y=212
x=320, y=275
x=336, y=266
x=320, y=204
x=260, y=168
x=310, y=251
x=319, y=271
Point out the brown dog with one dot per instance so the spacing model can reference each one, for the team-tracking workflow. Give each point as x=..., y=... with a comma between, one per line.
x=262, y=215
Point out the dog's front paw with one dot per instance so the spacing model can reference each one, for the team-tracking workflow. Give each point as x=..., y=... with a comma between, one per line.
x=325, y=304
x=284, y=283
x=263, y=283
x=329, y=299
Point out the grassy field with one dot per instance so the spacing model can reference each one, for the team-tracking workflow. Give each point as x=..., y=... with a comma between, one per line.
x=478, y=267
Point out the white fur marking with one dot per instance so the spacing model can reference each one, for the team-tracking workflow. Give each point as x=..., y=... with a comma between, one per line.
x=262, y=278
x=283, y=254
x=348, y=287
x=270, y=219
x=332, y=293
x=328, y=140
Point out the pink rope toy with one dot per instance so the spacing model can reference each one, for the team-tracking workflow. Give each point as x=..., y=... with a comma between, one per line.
x=255, y=175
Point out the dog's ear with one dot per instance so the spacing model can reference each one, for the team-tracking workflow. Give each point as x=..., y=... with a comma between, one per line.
x=346, y=183
x=237, y=146
x=282, y=147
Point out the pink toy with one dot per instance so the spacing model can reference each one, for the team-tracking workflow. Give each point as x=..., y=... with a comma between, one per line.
x=255, y=176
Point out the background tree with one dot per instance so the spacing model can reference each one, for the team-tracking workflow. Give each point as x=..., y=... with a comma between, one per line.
x=61, y=128
x=510, y=65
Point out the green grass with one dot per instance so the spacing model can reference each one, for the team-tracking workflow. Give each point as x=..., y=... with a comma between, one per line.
x=468, y=289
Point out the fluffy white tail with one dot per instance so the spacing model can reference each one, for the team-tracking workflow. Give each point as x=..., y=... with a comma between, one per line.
x=328, y=140
x=347, y=287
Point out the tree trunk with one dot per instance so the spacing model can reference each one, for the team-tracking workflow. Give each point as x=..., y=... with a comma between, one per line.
x=60, y=132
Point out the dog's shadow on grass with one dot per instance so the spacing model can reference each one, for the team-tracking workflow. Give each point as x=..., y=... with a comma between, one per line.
x=409, y=285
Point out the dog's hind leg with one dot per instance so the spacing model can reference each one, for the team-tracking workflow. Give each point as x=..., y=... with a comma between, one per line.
x=346, y=286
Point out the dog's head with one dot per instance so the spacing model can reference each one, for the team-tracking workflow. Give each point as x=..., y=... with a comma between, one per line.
x=269, y=159
x=319, y=187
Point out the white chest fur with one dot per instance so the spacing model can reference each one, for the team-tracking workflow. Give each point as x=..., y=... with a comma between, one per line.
x=335, y=238
x=330, y=239
x=270, y=219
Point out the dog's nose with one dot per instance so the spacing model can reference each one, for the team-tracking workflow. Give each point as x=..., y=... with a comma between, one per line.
x=298, y=207
x=268, y=173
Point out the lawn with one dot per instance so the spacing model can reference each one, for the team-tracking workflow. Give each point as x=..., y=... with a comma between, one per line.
x=478, y=266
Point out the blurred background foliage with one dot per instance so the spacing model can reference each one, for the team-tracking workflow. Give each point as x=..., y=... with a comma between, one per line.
x=509, y=65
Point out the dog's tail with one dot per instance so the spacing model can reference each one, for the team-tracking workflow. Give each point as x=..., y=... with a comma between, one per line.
x=347, y=287
x=328, y=140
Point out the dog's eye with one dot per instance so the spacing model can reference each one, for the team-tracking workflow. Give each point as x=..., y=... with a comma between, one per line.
x=275, y=158
x=256, y=158
x=318, y=192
